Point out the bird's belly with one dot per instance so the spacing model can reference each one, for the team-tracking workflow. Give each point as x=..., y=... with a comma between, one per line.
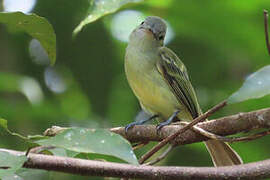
x=155, y=95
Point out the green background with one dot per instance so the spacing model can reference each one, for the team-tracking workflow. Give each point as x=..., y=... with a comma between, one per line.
x=220, y=42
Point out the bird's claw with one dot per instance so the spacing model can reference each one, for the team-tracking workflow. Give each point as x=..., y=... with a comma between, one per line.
x=130, y=126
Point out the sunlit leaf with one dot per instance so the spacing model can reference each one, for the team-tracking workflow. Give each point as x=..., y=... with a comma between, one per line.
x=255, y=86
x=26, y=173
x=10, y=163
x=12, y=177
x=99, y=8
x=98, y=141
x=159, y=4
x=34, y=25
x=63, y=152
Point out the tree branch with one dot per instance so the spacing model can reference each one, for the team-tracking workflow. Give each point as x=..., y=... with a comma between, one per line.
x=229, y=125
x=181, y=131
x=256, y=170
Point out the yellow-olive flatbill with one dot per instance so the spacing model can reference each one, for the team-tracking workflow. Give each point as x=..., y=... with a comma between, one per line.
x=160, y=81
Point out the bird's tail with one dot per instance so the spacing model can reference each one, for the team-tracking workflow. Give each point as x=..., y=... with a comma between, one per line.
x=222, y=154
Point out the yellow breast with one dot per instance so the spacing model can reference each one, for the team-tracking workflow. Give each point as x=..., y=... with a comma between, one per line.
x=153, y=93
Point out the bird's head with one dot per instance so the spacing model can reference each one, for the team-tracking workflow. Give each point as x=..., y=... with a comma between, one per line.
x=152, y=30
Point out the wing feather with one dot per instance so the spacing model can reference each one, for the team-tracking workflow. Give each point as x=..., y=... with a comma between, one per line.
x=176, y=76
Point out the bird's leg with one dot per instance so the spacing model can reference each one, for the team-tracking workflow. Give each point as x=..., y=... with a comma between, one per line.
x=169, y=121
x=140, y=122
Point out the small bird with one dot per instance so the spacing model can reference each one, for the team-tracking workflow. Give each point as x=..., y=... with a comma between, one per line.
x=160, y=81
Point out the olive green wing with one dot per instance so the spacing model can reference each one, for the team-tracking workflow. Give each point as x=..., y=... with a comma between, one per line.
x=176, y=76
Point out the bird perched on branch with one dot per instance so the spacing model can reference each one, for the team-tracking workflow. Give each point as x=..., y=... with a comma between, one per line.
x=160, y=81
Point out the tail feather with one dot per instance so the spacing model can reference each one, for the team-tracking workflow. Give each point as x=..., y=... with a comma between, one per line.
x=222, y=154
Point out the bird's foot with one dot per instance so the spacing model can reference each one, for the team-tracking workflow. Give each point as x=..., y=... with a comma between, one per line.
x=139, y=123
x=169, y=121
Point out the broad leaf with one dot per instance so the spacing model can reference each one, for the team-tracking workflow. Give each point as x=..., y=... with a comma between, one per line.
x=99, y=8
x=10, y=163
x=26, y=173
x=34, y=25
x=255, y=86
x=98, y=141
x=63, y=152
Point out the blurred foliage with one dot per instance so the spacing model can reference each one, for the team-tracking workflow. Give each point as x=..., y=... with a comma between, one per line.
x=220, y=42
x=256, y=85
x=35, y=26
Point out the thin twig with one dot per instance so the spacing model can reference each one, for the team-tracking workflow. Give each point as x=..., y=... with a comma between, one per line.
x=39, y=149
x=139, y=145
x=162, y=156
x=265, y=13
x=250, y=137
x=230, y=139
x=182, y=130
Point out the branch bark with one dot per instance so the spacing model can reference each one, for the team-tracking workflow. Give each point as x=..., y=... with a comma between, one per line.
x=181, y=131
x=256, y=170
x=229, y=125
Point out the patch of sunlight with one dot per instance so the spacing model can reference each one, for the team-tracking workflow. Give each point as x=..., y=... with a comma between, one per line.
x=54, y=81
x=24, y=6
x=38, y=53
x=31, y=89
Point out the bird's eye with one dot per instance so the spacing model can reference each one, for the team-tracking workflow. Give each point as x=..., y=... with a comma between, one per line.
x=142, y=23
x=161, y=37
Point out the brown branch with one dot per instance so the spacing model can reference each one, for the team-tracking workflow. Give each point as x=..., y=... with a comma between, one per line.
x=230, y=139
x=265, y=13
x=255, y=170
x=229, y=125
x=180, y=131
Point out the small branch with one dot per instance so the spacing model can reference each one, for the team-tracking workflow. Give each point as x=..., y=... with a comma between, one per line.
x=265, y=13
x=255, y=170
x=140, y=145
x=230, y=139
x=180, y=131
x=229, y=125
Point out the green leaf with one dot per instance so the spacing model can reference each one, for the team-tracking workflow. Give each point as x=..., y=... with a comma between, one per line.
x=25, y=173
x=98, y=141
x=11, y=163
x=255, y=86
x=9, y=82
x=99, y=8
x=63, y=152
x=34, y=25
